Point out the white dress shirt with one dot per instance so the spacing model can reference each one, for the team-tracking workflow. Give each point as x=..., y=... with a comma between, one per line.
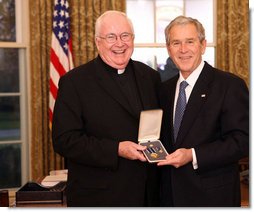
x=191, y=80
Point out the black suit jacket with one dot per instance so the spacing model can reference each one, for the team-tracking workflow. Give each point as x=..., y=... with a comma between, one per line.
x=216, y=125
x=90, y=117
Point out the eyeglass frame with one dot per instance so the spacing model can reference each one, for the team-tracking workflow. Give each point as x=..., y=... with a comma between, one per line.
x=116, y=36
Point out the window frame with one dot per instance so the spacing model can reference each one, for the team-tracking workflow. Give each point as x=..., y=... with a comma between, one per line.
x=22, y=44
x=163, y=45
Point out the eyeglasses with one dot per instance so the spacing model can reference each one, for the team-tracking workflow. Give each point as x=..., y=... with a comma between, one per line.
x=112, y=38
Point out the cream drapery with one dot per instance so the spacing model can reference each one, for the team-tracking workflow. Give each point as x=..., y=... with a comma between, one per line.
x=233, y=42
x=232, y=52
x=83, y=14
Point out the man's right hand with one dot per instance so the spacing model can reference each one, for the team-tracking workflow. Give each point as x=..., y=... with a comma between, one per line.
x=131, y=151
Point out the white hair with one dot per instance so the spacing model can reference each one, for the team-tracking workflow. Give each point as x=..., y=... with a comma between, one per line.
x=110, y=12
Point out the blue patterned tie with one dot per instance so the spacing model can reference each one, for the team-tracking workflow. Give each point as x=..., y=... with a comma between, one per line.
x=180, y=107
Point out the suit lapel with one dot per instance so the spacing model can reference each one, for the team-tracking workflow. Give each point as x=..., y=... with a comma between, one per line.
x=144, y=86
x=167, y=102
x=141, y=83
x=109, y=85
x=196, y=101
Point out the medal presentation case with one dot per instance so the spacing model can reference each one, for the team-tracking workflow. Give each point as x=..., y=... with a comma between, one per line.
x=149, y=133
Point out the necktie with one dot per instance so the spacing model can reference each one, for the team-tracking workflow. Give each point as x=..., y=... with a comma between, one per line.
x=180, y=107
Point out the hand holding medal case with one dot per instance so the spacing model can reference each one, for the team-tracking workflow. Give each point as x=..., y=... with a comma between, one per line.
x=149, y=133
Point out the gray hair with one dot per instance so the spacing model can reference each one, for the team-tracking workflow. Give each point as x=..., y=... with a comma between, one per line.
x=183, y=20
x=110, y=12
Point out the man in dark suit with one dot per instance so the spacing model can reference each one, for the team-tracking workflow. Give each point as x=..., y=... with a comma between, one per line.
x=202, y=167
x=96, y=120
x=170, y=70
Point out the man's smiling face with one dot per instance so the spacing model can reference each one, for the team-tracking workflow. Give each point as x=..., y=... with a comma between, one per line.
x=118, y=53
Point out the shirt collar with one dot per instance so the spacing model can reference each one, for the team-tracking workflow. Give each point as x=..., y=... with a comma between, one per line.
x=120, y=71
x=111, y=69
x=191, y=80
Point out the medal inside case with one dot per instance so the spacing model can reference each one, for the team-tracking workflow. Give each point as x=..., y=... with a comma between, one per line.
x=149, y=133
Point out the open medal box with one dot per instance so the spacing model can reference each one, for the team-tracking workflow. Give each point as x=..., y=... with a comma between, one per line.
x=149, y=133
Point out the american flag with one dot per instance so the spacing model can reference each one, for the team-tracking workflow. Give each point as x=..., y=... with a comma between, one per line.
x=61, y=49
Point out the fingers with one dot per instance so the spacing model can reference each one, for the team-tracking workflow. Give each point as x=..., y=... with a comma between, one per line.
x=171, y=159
x=131, y=151
x=178, y=158
x=141, y=157
x=163, y=163
x=139, y=147
x=137, y=151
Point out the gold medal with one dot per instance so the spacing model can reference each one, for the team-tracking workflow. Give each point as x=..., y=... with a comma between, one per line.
x=154, y=155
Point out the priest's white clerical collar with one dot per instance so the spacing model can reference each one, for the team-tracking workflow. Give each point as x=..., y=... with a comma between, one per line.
x=120, y=71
